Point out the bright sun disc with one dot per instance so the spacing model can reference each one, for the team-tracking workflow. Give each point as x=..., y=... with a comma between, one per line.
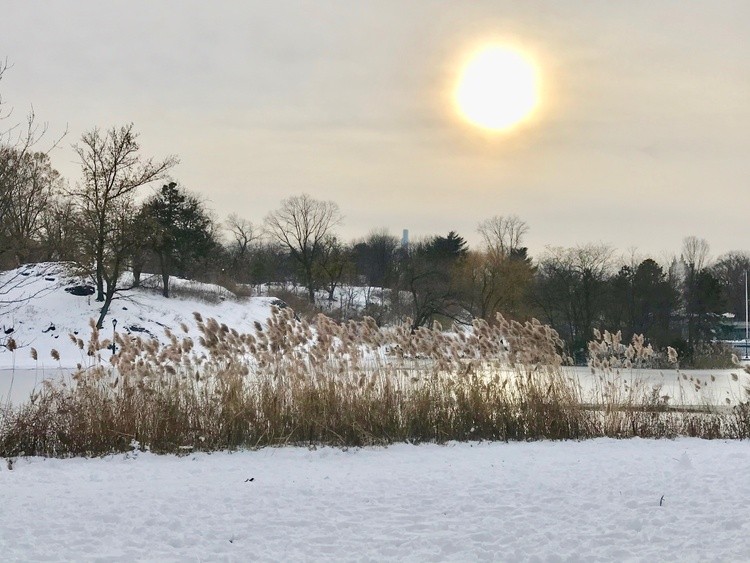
x=497, y=89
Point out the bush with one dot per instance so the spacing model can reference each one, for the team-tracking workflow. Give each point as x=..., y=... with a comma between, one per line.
x=713, y=355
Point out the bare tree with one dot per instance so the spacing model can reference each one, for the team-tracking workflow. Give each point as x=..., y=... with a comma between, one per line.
x=730, y=269
x=335, y=260
x=243, y=234
x=119, y=240
x=431, y=272
x=25, y=177
x=302, y=225
x=376, y=258
x=26, y=192
x=20, y=135
x=498, y=277
x=59, y=234
x=571, y=291
x=701, y=291
x=113, y=169
x=19, y=209
x=494, y=283
x=695, y=252
x=503, y=234
x=3, y=69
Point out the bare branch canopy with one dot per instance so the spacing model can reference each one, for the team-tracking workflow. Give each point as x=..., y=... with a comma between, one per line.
x=302, y=225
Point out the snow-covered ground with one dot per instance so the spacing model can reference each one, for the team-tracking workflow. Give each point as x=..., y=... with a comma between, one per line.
x=38, y=312
x=599, y=500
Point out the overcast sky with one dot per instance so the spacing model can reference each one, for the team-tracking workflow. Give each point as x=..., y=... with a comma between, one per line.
x=642, y=136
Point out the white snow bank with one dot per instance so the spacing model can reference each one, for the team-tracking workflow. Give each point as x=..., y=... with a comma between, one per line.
x=639, y=500
x=36, y=311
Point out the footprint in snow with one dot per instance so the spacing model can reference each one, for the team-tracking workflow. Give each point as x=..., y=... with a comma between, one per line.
x=685, y=462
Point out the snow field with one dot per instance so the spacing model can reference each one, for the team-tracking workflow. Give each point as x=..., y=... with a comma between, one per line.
x=544, y=501
x=46, y=315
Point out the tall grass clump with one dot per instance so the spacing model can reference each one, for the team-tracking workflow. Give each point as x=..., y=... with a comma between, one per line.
x=346, y=384
x=624, y=405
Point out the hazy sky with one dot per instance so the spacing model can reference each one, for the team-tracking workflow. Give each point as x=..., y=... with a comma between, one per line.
x=642, y=137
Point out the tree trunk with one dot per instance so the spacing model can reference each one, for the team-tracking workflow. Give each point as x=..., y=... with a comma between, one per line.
x=105, y=308
x=164, y=266
x=99, y=282
x=137, y=271
x=309, y=281
x=165, y=283
x=100, y=269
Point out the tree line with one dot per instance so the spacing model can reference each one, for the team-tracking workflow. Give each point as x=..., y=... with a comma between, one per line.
x=107, y=224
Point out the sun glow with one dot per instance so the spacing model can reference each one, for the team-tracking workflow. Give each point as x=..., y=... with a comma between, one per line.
x=497, y=89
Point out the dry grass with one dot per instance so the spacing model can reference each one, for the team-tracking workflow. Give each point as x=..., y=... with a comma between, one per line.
x=350, y=384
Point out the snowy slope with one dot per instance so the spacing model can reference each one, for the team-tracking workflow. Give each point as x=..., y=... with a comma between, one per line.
x=41, y=314
x=599, y=500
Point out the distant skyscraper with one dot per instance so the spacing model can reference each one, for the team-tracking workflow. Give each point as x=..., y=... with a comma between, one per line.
x=405, y=240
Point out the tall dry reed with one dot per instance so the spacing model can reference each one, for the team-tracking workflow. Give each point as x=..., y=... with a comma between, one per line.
x=345, y=384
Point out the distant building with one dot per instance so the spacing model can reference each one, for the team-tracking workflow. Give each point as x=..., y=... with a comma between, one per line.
x=405, y=240
x=732, y=332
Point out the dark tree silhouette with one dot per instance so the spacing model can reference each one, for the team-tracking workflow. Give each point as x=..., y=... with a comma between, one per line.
x=179, y=231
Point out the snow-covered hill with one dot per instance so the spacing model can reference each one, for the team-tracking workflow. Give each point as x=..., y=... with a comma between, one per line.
x=41, y=305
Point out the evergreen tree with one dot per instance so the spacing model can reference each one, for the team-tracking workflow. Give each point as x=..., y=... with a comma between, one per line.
x=179, y=232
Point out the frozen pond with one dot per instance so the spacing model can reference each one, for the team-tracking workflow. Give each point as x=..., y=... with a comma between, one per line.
x=724, y=387
x=689, y=387
x=16, y=385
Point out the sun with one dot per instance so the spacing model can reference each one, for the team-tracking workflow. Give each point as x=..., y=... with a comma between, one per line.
x=497, y=89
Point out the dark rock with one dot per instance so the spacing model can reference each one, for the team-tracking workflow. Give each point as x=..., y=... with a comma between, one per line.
x=81, y=290
x=137, y=328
